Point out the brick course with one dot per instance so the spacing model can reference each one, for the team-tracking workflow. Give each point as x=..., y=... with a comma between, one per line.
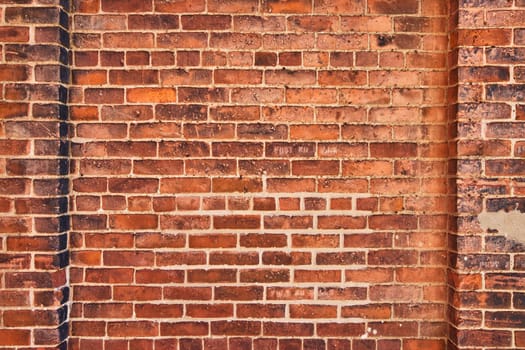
x=301, y=174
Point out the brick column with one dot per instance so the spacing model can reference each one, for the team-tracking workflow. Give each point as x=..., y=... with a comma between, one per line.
x=487, y=260
x=33, y=174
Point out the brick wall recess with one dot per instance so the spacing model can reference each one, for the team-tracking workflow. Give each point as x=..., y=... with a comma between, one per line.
x=260, y=174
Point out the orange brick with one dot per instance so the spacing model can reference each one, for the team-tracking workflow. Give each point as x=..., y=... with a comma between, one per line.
x=293, y=6
x=151, y=95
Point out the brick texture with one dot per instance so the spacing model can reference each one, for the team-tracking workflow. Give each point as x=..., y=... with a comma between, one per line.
x=484, y=264
x=34, y=71
x=249, y=164
x=300, y=174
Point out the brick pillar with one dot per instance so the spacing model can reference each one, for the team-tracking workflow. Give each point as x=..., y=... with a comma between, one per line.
x=33, y=174
x=486, y=260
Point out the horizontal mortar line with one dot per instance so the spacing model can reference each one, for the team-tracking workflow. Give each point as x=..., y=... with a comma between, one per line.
x=332, y=302
x=311, y=232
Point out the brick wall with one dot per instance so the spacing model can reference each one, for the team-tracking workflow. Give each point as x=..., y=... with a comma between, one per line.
x=260, y=174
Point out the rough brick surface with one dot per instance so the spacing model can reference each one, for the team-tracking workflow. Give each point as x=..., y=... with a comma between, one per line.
x=489, y=175
x=300, y=174
x=34, y=71
x=251, y=133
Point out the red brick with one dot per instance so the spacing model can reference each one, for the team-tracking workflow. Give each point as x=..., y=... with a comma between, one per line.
x=341, y=222
x=319, y=241
x=13, y=147
x=157, y=276
x=395, y=293
x=128, y=40
x=263, y=240
x=326, y=276
x=14, y=225
x=153, y=21
x=497, y=338
x=185, y=77
x=13, y=109
x=185, y=185
x=138, y=58
x=212, y=276
x=313, y=167
x=393, y=7
x=83, y=113
x=129, y=293
x=12, y=72
x=484, y=37
x=265, y=59
x=317, y=132
x=290, y=185
x=14, y=34
x=288, y=329
x=181, y=222
x=140, y=222
x=156, y=311
x=128, y=258
x=135, y=185
x=258, y=311
x=237, y=222
x=13, y=337
x=371, y=311
x=213, y=241
x=288, y=222
x=312, y=23
x=424, y=344
x=188, y=40
x=342, y=42
x=282, y=258
x=151, y=95
x=209, y=310
x=183, y=149
x=177, y=7
x=342, y=78
x=265, y=276
x=340, y=329
x=127, y=6
x=133, y=329
x=366, y=132
x=189, y=58
x=236, y=328
x=294, y=6
x=155, y=130
x=108, y=310
x=155, y=167
x=311, y=95
x=184, y=329
x=343, y=258
x=313, y=311
x=237, y=149
x=232, y=6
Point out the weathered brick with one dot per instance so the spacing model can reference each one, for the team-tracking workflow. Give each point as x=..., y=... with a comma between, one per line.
x=156, y=21
x=327, y=115
x=128, y=40
x=485, y=37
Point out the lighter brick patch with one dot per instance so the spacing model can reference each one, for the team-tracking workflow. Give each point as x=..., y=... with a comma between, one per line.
x=511, y=223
